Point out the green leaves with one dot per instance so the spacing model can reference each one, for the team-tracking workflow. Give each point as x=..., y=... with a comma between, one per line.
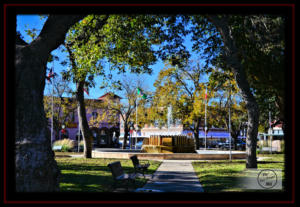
x=181, y=88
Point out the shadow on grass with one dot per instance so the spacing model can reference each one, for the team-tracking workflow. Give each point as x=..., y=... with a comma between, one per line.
x=212, y=183
x=85, y=182
x=269, y=162
x=71, y=182
x=79, y=167
x=94, y=177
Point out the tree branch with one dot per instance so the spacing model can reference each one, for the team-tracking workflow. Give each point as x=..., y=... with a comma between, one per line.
x=54, y=32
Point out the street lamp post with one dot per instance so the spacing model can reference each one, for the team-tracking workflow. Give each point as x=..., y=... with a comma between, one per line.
x=136, y=121
x=205, y=124
x=229, y=123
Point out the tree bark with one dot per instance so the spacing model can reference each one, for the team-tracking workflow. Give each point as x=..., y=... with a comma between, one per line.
x=196, y=135
x=196, y=132
x=36, y=170
x=83, y=123
x=126, y=132
x=233, y=61
x=234, y=135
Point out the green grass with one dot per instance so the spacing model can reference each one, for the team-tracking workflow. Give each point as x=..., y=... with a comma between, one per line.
x=66, y=154
x=224, y=176
x=93, y=175
x=272, y=157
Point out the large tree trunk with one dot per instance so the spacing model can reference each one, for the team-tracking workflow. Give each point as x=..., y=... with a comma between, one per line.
x=83, y=123
x=126, y=132
x=233, y=61
x=196, y=135
x=36, y=170
x=234, y=135
x=196, y=132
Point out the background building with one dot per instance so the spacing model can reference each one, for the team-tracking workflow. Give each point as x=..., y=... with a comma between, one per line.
x=103, y=131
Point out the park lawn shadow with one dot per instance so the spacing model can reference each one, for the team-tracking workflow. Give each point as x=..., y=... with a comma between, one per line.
x=93, y=183
x=218, y=183
x=93, y=175
x=85, y=182
x=228, y=177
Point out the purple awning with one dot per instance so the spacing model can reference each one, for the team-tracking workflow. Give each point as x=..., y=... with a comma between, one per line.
x=214, y=134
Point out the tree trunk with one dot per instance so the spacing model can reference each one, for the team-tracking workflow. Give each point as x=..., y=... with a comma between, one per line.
x=196, y=132
x=126, y=132
x=280, y=103
x=196, y=135
x=234, y=136
x=83, y=123
x=36, y=169
x=233, y=61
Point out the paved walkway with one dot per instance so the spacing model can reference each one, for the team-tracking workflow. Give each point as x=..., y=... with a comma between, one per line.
x=174, y=176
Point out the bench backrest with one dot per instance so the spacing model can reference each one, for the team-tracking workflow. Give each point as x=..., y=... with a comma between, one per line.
x=135, y=160
x=116, y=169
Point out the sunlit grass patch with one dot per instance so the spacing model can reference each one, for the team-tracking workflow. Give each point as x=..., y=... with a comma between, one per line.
x=224, y=176
x=93, y=175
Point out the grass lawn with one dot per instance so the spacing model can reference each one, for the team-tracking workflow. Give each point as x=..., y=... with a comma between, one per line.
x=223, y=176
x=93, y=175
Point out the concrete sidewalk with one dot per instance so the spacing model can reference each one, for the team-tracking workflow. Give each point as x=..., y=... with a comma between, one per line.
x=174, y=176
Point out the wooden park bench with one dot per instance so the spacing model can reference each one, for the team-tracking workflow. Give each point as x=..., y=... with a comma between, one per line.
x=139, y=167
x=119, y=175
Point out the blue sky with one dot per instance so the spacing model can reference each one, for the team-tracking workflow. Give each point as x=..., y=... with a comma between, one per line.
x=25, y=22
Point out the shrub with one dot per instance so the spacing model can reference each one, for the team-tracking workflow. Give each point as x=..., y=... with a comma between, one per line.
x=67, y=144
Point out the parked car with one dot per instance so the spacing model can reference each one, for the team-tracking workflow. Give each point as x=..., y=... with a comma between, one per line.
x=221, y=145
x=213, y=144
x=241, y=145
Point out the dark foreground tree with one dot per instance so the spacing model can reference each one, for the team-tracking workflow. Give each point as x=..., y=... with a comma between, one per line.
x=36, y=169
x=233, y=60
x=252, y=47
x=99, y=39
